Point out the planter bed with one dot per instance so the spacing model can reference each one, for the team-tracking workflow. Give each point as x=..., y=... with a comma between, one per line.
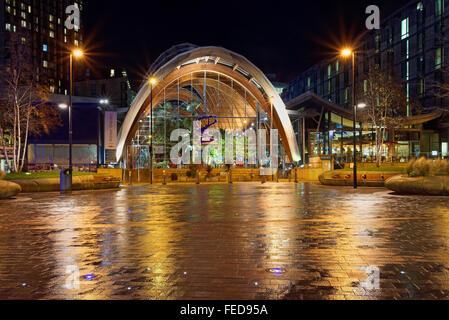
x=431, y=186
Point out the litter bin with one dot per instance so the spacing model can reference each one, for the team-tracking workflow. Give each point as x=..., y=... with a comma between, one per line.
x=65, y=182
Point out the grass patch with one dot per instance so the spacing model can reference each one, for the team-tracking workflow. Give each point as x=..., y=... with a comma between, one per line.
x=42, y=175
x=382, y=169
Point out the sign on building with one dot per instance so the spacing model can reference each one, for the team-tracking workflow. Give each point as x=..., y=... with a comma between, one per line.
x=110, y=130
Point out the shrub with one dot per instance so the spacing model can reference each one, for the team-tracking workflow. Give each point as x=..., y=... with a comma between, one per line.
x=162, y=165
x=424, y=167
x=438, y=168
x=421, y=168
x=410, y=167
x=209, y=170
x=193, y=169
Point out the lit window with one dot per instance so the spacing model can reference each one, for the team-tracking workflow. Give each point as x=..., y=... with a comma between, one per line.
x=112, y=73
x=23, y=40
x=45, y=48
x=445, y=149
x=76, y=43
x=45, y=64
x=438, y=58
x=23, y=15
x=29, y=9
x=51, y=18
x=439, y=8
x=51, y=34
x=405, y=28
x=23, y=24
x=52, y=89
x=8, y=27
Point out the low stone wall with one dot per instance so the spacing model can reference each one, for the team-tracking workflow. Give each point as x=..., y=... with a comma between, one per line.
x=364, y=178
x=364, y=165
x=51, y=185
x=432, y=186
x=9, y=189
x=309, y=174
x=180, y=175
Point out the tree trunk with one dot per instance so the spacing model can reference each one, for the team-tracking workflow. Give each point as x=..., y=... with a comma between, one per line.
x=25, y=144
x=14, y=137
x=5, y=152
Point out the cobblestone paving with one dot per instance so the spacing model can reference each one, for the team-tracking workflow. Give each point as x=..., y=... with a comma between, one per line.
x=246, y=241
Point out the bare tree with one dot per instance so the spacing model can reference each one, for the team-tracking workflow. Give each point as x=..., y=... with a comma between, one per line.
x=22, y=101
x=386, y=104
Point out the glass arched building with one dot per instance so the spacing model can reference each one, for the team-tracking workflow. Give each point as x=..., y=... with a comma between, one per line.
x=213, y=85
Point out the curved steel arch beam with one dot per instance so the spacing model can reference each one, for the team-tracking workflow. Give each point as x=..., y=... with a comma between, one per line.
x=278, y=105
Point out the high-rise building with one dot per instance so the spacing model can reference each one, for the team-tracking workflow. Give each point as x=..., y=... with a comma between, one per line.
x=412, y=44
x=42, y=24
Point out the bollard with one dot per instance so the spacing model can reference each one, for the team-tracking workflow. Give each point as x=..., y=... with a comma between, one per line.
x=230, y=176
x=290, y=176
x=197, y=177
x=164, y=178
x=130, y=177
x=296, y=175
x=277, y=177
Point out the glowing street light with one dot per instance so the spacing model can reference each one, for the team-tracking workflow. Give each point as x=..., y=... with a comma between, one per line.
x=63, y=106
x=346, y=53
x=77, y=53
x=361, y=105
x=153, y=82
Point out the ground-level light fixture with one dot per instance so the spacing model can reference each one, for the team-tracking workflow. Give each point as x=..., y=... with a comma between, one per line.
x=361, y=105
x=63, y=106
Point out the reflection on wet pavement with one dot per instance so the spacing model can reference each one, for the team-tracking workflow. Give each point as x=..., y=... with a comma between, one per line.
x=245, y=241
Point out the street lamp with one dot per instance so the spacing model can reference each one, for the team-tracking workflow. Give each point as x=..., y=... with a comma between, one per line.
x=77, y=54
x=152, y=82
x=347, y=52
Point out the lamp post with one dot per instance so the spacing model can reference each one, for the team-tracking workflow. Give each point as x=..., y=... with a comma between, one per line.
x=152, y=83
x=351, y=53
x=77, y=54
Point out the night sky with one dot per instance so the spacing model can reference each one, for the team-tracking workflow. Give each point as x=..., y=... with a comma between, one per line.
x=282, y=37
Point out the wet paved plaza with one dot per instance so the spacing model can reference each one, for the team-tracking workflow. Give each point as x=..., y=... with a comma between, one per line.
x=245, y=241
